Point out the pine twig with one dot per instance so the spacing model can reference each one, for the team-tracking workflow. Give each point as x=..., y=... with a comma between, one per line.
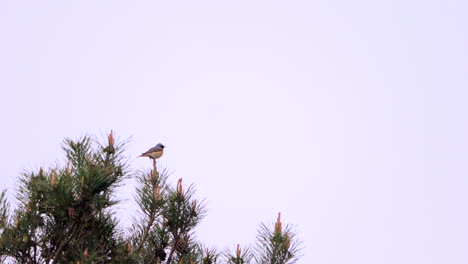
x=171, y=253
x=64, y=243
x=173, y=247
x=145, y=233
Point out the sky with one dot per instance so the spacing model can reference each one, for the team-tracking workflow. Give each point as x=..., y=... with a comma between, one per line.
x=348, y=117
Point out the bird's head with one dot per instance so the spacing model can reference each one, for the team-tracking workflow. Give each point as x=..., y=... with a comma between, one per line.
x=161, y=145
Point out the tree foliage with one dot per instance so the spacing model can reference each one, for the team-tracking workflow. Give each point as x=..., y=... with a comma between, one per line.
x=65, y=215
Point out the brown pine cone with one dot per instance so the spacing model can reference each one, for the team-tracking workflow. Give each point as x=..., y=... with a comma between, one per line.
x=181, y=244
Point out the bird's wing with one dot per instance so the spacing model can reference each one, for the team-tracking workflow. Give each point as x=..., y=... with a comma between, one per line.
x=153, y=149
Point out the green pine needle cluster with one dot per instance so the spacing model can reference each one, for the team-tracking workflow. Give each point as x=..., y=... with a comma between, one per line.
x=65, y=214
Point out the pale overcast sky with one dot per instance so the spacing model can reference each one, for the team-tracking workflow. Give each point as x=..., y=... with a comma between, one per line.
x=349, y=117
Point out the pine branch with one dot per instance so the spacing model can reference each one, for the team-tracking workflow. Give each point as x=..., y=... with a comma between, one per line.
x=171, y=254
x=73, y=232
x=145, y=234
x=242, y=255
x=151, y=200
x=277, y=246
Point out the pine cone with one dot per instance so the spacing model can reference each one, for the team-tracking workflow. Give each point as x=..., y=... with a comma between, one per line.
x=160, y=253
x=181, y=244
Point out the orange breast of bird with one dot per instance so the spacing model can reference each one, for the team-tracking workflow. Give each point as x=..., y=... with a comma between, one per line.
x=155, y=155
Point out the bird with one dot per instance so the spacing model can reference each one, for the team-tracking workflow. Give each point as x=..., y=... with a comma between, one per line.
x=154, y=152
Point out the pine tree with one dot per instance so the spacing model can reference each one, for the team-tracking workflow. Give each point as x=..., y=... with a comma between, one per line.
x=65, y=215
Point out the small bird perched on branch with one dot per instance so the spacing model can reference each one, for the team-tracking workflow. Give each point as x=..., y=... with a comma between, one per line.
x=154, y=153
